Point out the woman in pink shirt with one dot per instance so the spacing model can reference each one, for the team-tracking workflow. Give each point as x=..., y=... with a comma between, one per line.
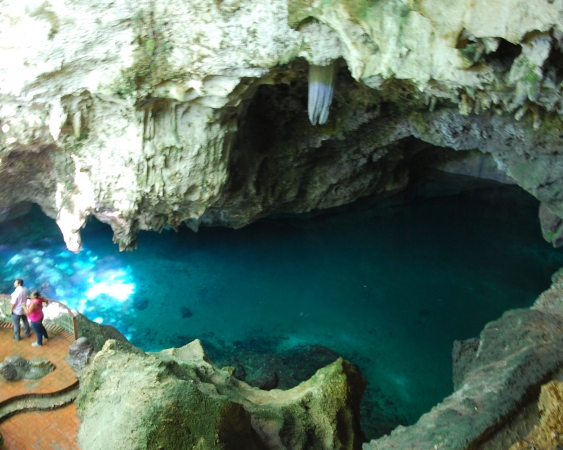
x=35, y=315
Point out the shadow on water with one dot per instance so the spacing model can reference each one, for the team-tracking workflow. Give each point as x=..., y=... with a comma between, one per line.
x=388, y=293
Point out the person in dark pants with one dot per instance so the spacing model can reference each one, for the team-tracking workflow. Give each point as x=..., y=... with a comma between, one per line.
x=18, y=301
x=35, y=314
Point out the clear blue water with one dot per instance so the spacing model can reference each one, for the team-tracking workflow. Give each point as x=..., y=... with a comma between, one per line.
x=388, y=293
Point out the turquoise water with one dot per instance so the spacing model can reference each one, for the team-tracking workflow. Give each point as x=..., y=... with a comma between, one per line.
x=388, y=293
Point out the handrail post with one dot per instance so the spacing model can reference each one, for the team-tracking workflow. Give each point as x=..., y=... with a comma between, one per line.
x=75, y=327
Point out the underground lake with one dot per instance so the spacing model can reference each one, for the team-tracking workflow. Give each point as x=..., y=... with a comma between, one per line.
x=389, y=292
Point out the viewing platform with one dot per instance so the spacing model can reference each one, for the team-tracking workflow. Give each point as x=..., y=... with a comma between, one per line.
x=40, y=414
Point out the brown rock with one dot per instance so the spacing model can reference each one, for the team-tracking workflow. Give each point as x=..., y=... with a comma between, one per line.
x=549, y=434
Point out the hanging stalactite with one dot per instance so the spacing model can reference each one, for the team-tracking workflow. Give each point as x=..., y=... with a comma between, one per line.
x=321, y=89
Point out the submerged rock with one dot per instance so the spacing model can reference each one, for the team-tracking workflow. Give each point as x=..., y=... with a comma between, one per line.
x=185, y=313
x=140, y=303
x=256, y=362
x=133, y=400
x=266, y=381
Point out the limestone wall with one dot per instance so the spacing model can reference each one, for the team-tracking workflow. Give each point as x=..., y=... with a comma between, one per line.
x=128, y=111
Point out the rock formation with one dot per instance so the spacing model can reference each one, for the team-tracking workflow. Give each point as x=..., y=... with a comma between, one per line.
x=80, y=354
x=498, y=381
x=178, y=399
x=156, y=113
x=15, y=368
x=549, y=434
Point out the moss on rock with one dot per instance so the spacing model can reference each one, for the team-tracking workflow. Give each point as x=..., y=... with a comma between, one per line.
x=133, y=400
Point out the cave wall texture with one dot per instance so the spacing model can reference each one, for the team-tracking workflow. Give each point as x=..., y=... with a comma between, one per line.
x=149, y=114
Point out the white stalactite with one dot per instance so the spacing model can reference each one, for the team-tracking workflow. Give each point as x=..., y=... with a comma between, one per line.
x=321, y=89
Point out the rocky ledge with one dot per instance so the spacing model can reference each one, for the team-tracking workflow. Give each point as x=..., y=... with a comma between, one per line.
x=498, y=379
x=133, y=400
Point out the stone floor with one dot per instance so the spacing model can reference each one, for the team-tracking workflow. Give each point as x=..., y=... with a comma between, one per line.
x=54, y=429
x=42, y=430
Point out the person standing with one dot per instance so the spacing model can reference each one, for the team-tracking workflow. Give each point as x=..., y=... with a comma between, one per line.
x=35, y=313
x=18, y=301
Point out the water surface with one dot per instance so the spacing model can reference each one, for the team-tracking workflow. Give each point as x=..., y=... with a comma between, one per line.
x=390, y=294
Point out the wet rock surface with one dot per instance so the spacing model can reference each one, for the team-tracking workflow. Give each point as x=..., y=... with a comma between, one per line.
x=186, y=313
x=258, y=364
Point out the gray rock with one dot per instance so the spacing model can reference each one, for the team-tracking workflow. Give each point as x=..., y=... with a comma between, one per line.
x=16, y=368
x=495, y=377
x=79, y=354
x=551, y=226
x=266, y=381
x=38, y=368
x=17, y=361
x=9, y=371
x=186, y=313
x=97, y=334
x=463, y=354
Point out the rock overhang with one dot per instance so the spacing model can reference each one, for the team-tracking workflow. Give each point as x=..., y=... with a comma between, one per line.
x=136, y=107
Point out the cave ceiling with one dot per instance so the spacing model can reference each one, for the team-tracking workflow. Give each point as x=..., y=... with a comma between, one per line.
x=153, y=114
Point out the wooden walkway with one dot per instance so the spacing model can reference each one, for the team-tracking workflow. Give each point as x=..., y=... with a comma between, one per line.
x=52, y=429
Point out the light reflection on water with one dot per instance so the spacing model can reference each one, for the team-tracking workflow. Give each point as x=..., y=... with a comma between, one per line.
x=96, y=285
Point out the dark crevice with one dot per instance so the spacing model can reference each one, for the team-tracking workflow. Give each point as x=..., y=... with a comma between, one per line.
x=554, y=65
x=504, y=56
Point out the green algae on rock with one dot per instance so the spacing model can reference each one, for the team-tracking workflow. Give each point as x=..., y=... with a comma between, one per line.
x=133, y=400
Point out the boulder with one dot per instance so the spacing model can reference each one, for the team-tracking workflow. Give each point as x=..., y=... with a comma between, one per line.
x=266, y=381
x=38, y=368
x=133, y=400
x=9, y=372
x=79, y=354
x=97, y=334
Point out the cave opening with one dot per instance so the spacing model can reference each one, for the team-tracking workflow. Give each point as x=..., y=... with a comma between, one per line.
x=388, y=280
x=389, y=286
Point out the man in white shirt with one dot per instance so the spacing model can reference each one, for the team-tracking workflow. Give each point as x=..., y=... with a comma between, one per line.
x=19, y=300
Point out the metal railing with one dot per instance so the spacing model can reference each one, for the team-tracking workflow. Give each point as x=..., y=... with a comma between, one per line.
x=57, y=316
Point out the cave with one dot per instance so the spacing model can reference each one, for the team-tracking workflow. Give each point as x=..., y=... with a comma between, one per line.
x=251, y=206
x=290, y=292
